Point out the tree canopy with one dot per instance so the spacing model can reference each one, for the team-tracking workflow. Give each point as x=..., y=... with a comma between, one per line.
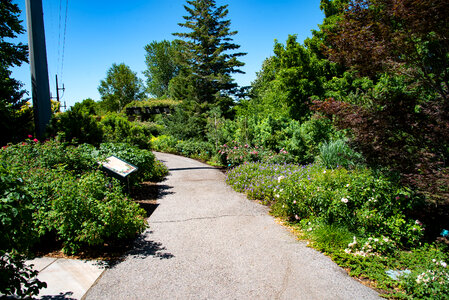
x=120, y=87
x=162, y=66
x=14, y=121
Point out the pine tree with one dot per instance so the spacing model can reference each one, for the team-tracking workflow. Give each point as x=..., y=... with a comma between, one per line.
x=208, y=63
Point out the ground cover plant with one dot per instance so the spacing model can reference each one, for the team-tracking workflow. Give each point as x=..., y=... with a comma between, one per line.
x=361, y=218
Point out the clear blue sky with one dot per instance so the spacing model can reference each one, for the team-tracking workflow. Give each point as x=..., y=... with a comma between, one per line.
x=100, y=33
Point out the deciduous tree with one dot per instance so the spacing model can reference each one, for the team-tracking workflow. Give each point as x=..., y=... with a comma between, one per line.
x=14, y=122
x=162, y=66
x=120, y=87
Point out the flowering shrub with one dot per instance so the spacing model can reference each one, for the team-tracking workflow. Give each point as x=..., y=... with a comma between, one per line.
x=430, y=277
x=364, y=203
x=234, y=154
x=371, y=246
x=72, y=198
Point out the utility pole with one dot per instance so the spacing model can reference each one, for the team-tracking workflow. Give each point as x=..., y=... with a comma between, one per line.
x=39, y=70
x=57, y=93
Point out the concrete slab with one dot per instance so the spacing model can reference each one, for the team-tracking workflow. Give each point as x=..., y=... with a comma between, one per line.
x=66, y=278
x=40, y=263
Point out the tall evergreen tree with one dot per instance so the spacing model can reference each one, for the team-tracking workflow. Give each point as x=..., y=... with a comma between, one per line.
x=208, y=57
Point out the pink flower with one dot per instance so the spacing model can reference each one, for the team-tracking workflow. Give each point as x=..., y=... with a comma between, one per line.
x=30, y=136
x=397, y=197
x=35, y=140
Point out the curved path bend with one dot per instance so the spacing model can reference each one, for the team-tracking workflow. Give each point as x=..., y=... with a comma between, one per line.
x=206, y=241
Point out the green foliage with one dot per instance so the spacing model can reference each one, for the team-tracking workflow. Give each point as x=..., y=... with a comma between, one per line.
x=117, y=128
x=151, y=103
x=78, y=124
x=207, y=56
x=359, y=200
x=162, y=66
x=234, y=154
x=16, y=236
x=15, y=118
x=70, y=197
x=430, y=276
x=17, y=279
x=183, y=125
x=120, y=87
x=195, y=149
x=164, y=143
x=334, y=154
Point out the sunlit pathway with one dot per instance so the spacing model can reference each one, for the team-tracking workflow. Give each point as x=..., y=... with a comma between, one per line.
x=206, y=241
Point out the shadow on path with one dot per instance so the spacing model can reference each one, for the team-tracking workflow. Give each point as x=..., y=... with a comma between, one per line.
x=193, y=168
x=61, y=296
x=144, y=248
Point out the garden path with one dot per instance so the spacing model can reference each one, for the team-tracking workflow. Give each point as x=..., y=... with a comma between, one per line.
x=206, y=241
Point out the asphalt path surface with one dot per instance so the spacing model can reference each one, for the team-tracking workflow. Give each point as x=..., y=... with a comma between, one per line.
x=206, y=241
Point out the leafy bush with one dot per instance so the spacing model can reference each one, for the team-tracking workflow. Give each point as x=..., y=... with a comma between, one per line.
x=334, y=154
x=195, y=149
x=71, y=197
x=164, y=143
x=16, y=236
x=365, y=203
x=118, y=129
x=88, y=210
x=430, y=276
x=77, y=125
x=234, y=154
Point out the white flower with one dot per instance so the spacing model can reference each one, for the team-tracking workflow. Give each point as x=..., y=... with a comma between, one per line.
x=280, y=178
x=344, y=200
x=296, y=217
x=309, y=229
x=347, y=185
x=294, y=201
x=347, y=251
x=443, y=264
x=277, y=195
x=324, y=172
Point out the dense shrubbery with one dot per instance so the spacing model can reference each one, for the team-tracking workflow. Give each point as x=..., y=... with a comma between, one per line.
x=72, y=198
x=357, y=200
x=81, y=124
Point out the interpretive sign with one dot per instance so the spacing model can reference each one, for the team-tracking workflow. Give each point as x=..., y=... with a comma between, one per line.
x=118, y=166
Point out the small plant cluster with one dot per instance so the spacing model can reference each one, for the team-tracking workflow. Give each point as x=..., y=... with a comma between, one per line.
x=234, y=154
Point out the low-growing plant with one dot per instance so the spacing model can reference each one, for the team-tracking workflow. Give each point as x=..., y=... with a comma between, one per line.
x=234, y=154
x=195, y=149
x=365, y=203
x=429, y=278
x=334, y=154
x=164, y=143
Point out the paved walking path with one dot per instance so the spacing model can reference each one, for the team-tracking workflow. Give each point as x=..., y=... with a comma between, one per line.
x=206, y=241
